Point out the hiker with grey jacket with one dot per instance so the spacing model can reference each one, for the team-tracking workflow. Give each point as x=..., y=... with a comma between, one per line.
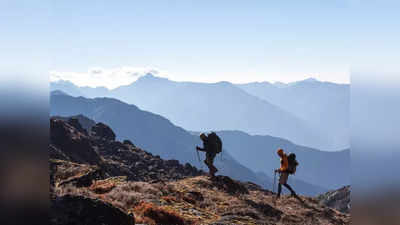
x=212, y=145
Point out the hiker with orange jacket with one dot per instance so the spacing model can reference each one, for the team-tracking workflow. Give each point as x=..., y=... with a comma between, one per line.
x=288, y=166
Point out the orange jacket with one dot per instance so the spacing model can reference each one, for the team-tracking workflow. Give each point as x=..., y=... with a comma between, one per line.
x=284, y=163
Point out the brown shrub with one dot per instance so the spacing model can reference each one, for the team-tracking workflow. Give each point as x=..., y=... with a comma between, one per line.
x=153, y=214
x=102, y=186
x=169, y=199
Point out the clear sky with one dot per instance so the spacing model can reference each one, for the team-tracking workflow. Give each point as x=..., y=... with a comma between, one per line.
x=203, y=40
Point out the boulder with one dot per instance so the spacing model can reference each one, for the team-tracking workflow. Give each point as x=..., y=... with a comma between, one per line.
x=73, y=144
x=69, y=210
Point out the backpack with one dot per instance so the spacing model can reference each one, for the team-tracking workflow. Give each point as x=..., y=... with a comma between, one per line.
x=215, y=142
x=292, y=163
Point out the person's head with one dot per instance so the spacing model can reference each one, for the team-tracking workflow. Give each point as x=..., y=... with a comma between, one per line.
x=203, y=136
x=280, y=152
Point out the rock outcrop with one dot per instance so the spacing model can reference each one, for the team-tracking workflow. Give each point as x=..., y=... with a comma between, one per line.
x=337, y=199
x=69, y=142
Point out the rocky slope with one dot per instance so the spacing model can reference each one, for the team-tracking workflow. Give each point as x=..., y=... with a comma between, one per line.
x=98, y=180
x=338, y=199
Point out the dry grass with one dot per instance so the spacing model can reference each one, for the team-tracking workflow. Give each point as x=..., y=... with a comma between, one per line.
x=124, y=195
x=141, y=187
x=179, y=202
x=153, y=214
x=191, y=201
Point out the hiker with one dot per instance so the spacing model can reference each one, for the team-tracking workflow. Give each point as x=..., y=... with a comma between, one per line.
x=288, y=166
x=212, y=145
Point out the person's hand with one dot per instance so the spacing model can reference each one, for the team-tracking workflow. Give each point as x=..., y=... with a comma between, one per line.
x=277, y=170
x=197, y=148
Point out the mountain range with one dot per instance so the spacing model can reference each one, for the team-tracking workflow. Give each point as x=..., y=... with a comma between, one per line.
x=323, y=105
x=211, y=106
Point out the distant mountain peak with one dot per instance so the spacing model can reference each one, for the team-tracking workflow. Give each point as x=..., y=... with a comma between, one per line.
x=310, y=80
x=149, y=77
x=224, y=83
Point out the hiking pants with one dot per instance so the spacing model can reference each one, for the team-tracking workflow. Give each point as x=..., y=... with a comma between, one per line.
x=209, y=161
x=283, y=178
x=283, y=181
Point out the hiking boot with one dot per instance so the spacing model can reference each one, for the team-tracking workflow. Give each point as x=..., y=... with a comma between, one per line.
x=212, y=177
x=213, y=170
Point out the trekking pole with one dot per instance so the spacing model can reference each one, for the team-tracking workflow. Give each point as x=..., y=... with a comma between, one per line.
x=198, y=157
x=273, y=188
